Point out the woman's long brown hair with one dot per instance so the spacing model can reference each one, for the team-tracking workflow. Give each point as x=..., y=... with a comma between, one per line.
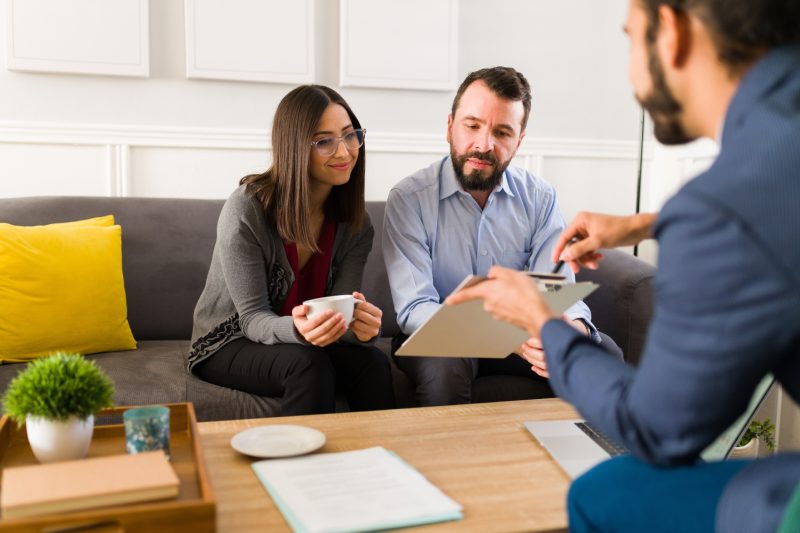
x=283, y=189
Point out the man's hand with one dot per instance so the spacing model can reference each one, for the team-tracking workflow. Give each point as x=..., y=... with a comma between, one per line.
x=510, y=296
x=531, y=350
x=593, y=231
x=323, y=329
x=367, y=319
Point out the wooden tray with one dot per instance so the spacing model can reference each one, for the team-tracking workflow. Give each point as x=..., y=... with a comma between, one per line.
x=193, y=509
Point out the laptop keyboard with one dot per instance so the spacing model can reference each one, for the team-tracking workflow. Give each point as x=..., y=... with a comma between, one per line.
x=611, y=448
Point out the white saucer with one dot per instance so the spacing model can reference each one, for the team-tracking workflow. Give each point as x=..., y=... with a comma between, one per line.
x=277, y=441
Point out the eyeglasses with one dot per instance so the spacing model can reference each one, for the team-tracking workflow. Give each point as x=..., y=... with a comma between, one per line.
x=327, y=146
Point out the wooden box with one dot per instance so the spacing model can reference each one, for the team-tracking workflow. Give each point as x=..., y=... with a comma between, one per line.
x=193, y=509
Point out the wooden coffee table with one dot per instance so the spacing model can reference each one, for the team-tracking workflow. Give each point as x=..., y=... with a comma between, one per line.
x=480, y=455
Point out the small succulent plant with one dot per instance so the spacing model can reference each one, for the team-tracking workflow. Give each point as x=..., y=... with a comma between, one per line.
x=57, y=387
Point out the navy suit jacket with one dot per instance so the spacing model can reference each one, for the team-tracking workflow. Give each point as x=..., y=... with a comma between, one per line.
x=727, y=306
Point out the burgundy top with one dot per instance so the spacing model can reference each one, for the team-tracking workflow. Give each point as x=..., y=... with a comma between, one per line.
x=310, y=281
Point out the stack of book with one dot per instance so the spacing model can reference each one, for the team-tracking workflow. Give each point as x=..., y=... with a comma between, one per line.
x=86, y=483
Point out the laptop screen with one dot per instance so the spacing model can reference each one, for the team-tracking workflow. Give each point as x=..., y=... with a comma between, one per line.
x=720, y=448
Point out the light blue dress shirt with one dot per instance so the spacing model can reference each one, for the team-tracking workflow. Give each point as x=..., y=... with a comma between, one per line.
x=435, y=234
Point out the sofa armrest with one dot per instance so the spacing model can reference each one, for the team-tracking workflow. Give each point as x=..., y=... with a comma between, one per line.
x=623, y=304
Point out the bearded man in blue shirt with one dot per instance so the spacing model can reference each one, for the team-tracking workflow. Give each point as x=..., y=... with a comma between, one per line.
x=462, y=215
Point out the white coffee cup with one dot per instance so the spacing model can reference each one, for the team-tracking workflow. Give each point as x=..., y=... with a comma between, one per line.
x=343, y=303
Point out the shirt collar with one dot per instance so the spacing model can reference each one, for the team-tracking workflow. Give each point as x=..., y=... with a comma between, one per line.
x=448, y=184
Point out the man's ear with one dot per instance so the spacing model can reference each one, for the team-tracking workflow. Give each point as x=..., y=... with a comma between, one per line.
x=674, y=38
x=449, y=128
x=519, y=141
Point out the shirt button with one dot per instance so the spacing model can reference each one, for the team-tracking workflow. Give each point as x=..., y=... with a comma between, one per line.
x=484, y=252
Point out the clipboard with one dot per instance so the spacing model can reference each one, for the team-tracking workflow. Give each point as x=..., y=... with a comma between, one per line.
x=467, y=330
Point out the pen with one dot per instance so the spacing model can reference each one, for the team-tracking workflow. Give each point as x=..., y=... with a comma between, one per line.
x=561, y=261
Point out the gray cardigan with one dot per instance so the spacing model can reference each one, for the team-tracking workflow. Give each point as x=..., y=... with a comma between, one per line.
x=250, y=277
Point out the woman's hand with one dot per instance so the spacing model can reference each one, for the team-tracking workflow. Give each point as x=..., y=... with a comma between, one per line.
x=323, y=329
x=366, y=319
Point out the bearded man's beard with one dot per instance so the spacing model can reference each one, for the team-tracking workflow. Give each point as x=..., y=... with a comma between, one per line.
x=662, y=106
x=475, y=181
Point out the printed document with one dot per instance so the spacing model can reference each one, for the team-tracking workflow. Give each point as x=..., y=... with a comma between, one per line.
x=359, y=490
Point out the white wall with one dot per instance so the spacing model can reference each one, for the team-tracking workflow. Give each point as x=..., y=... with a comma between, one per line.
x=666, y=170
x=166, y=135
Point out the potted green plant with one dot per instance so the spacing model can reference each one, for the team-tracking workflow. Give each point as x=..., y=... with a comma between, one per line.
x=56, y=398
x=756, y=432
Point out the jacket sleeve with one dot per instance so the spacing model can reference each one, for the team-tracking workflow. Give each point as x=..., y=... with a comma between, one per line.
x=716, y=331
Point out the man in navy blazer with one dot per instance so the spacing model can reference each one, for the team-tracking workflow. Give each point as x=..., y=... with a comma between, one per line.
x=727, y=286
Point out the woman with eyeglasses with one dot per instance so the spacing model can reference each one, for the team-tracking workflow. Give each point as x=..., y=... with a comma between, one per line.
x=296, y=232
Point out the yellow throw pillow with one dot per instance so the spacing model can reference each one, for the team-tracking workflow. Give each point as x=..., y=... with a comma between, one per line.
x=61, y=289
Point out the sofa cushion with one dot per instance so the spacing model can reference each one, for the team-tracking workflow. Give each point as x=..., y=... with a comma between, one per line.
x=154, y=375
x=157, y=375
x=61, y=289
x=212, y=402
x=376, y=281
x=166, y=251
x=167, y=246
x=151, y=374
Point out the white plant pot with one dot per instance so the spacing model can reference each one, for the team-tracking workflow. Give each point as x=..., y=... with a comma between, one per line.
x=52, y=440
x=749, y=450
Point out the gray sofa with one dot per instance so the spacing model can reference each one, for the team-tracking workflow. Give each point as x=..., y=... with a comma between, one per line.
x=167, y=246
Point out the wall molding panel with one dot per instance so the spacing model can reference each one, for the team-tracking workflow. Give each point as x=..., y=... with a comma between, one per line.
x=207, y=162
x=413, y=45
x=673, y=166
x=106, y=37
x=105, y=134
x=239, y=40
x=118, y=169
x=256, y=139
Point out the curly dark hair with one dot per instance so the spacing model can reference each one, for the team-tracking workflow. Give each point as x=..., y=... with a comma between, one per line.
x=742, y=30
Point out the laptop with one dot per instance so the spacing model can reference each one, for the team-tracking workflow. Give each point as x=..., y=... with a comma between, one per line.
x=577, y=446
x=467, y=330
